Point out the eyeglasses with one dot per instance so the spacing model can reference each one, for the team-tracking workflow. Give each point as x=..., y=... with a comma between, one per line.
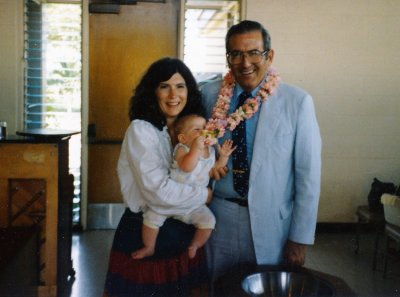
x=254, y=56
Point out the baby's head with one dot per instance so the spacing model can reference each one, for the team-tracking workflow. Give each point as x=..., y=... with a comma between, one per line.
x=188, y=128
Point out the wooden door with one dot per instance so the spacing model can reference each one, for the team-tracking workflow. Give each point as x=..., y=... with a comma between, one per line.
x=122, y=46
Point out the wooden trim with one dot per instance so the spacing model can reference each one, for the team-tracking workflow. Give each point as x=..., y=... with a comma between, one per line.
x=336, y=227
x=343, y=227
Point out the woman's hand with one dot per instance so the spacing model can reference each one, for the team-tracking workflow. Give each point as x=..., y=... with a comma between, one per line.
x=218, y=173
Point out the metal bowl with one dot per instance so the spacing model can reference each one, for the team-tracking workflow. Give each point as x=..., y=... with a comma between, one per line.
x=286, y=284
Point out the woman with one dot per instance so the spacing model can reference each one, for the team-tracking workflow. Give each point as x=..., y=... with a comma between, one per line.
x=167, y=91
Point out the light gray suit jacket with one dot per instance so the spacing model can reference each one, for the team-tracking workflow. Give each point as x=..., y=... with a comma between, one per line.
x=285, y=171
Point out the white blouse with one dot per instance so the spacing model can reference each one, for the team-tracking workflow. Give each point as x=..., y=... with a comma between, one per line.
x=143, y=172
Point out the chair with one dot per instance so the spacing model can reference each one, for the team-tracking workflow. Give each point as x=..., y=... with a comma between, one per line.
x=376, y=221
x=392, y=233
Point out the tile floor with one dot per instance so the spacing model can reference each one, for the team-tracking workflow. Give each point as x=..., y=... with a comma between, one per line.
x=332, y=253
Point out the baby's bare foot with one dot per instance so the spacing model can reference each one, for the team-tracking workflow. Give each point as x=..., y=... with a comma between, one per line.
x=142, y=253
x=192, y=250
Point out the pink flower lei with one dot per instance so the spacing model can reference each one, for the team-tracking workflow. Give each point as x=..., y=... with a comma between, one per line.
x=220, y=121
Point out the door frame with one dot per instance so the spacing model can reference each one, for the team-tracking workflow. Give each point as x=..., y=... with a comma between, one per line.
x=84, y=112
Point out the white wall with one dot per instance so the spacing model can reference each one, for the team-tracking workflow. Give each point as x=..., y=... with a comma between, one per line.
x=347, y=55
x=11, y=75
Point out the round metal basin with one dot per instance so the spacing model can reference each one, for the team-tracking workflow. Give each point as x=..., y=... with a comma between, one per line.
x=286, y=284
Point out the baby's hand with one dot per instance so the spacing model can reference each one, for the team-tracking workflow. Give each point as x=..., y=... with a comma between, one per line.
x=199, y=143
x=210, y=141
x=226, y=149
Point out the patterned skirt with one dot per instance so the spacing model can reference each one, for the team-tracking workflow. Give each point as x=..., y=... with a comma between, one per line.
x=169, y=272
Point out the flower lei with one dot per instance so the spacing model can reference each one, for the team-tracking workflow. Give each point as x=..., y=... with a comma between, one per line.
x=220, y=121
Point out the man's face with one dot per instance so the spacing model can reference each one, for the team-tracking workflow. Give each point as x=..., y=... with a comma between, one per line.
x=248, y=74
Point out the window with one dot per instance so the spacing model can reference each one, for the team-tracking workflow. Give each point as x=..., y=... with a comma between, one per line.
x=206, y=24
x=52, y=84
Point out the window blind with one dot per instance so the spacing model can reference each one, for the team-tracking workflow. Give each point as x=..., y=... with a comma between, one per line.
x=52, y=83
x=206, y=24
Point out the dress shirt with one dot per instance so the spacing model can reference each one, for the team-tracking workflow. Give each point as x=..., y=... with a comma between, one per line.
x=224, y=187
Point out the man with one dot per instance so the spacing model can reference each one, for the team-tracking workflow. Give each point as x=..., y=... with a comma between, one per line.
x=273, y=220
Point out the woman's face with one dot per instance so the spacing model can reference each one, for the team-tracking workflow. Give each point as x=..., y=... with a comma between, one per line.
x=172, y=97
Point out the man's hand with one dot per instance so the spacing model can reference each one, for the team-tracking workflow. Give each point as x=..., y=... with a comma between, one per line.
x=295, y=253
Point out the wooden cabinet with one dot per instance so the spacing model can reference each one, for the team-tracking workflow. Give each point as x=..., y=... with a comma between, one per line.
x=36, y=192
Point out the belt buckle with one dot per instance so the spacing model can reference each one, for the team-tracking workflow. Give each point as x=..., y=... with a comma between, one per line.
x=239, y=171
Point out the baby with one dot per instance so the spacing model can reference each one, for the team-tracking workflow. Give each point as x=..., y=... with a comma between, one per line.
x=193, y=159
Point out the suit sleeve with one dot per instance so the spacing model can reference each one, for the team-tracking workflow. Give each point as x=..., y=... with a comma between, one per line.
x=307, y=174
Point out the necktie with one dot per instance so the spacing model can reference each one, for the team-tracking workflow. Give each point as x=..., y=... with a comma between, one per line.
x=239, y=156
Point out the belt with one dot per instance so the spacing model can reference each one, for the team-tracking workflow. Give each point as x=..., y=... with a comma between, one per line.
x=239, y=201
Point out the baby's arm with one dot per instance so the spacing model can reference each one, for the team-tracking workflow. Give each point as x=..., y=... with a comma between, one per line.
x=187, y=161
x=224, y=152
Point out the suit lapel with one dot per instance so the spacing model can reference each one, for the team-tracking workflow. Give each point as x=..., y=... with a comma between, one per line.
x=266, y=127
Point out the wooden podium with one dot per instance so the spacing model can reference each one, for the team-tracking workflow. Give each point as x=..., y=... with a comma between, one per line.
x=36, y=192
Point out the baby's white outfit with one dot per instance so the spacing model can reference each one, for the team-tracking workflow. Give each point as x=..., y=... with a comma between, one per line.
x=200, y=175
x=201, y=217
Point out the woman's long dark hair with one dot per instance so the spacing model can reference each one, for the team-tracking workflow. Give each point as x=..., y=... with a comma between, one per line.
x=144, y=104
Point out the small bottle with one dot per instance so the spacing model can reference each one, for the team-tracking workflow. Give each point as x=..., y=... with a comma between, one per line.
x=3, y=129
